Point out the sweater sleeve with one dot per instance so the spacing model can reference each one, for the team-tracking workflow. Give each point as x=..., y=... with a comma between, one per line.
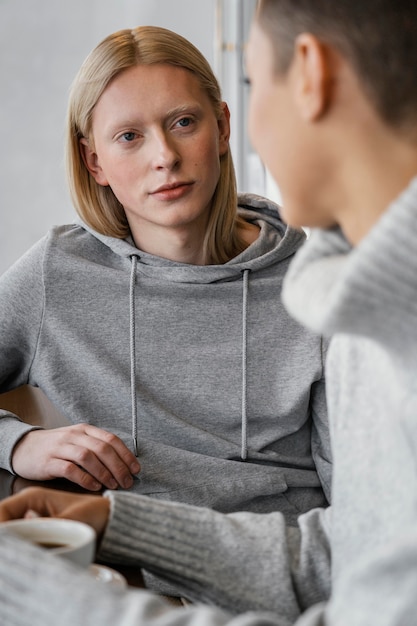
x=378, y=587
x=21, y=310
x=240, y=561
x=40, y=589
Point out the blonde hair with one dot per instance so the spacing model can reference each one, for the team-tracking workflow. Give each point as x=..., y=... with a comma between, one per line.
x=97, y=205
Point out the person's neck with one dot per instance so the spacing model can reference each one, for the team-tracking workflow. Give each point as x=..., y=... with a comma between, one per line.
x=373, y=184
x=182, y=245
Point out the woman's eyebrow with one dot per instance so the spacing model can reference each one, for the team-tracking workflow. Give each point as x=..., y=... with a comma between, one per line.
x=191, y=108
x=116, y=126
x=182, y=109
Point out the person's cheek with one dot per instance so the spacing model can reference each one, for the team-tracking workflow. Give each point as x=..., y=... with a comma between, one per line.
x=253, y=131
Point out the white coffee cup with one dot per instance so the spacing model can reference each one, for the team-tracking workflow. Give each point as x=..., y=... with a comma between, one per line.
x=69, y=539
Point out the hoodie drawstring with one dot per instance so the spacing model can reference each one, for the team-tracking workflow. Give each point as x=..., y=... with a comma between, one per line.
x=133, y=353
x=244, y=451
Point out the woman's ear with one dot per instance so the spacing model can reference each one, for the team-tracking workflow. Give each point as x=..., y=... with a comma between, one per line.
x=312, y=76
x=90, y=159
x=224, y=129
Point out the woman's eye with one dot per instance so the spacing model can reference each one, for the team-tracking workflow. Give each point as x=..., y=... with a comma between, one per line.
x=184, y=122
x=130, y=136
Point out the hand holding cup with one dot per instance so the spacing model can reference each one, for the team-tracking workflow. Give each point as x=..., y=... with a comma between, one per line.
x=39, y=501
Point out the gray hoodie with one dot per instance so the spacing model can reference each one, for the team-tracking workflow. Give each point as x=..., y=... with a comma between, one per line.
x=227, y=408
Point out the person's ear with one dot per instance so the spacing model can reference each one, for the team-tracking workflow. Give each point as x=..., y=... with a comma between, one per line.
x=224, y=129
x=91, y=162
x=312, y=72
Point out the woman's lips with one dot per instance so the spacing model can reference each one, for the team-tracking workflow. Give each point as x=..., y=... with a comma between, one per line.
x=173, y=191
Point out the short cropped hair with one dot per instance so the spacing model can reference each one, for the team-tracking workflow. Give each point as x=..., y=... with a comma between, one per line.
x=377, y=37
x=97, y=205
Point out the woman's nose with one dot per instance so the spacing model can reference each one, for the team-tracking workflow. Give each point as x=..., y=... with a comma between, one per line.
x=165, y=152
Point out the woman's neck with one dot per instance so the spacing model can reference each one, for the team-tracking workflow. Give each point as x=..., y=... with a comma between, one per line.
x=181, y=247
x=184, y=245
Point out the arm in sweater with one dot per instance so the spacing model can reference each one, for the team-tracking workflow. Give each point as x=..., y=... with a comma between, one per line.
x=245, y=564
x=240, y=561
x=39, y=589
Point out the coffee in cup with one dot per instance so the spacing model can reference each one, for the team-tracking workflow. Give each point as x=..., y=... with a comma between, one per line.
x=66, y=538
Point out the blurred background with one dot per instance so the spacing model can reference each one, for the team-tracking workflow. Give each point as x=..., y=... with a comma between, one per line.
x=42, y=45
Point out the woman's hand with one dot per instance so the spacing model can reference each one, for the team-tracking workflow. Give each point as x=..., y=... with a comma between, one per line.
x=88, y=456
x=90, y=509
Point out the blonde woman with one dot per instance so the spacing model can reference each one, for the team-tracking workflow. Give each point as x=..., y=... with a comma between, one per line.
x=155, y=324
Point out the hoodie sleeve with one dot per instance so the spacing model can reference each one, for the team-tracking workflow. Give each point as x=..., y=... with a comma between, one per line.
x=239, y=562
x=320, y=434
x=21, y=310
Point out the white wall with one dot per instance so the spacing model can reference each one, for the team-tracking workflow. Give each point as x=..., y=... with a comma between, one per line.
x=42, y=44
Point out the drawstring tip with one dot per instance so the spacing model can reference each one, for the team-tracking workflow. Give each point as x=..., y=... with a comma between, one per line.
x=135, y=446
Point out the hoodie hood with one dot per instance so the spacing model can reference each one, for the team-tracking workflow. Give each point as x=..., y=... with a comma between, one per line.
x=275, y=242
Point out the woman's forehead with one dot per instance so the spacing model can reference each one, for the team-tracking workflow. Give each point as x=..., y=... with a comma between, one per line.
x=145, y=91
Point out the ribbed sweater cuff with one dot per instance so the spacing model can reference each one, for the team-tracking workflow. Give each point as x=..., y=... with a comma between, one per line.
x=152, y=533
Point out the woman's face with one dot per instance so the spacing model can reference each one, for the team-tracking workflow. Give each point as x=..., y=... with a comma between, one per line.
x=157, y=144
